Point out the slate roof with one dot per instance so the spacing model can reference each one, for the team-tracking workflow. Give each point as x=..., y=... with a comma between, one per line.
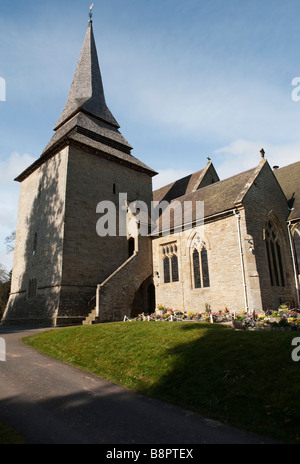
x=178, y=188
x=86, y=118
x=219, y=197
x=289, y=180
x=182, y=186
x=86, y=92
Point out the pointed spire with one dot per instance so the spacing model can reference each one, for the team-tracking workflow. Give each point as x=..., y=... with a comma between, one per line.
x=86, y=92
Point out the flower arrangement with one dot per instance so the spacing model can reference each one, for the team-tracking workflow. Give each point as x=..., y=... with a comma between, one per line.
x=280, y=319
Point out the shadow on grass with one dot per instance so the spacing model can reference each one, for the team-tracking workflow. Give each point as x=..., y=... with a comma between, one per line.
x=246, y=379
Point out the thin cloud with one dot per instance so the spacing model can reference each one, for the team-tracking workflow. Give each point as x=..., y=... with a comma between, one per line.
x=242, y=154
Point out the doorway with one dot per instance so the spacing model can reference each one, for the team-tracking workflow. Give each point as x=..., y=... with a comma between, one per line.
x=151, y=298
x=131, y=247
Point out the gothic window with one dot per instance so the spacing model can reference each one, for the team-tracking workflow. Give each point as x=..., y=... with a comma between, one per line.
x=204, y=265
x=170, y=263
x=174, y=266
x=200, y=267
x=196, y=266
x=296, y=240
x=274, y=255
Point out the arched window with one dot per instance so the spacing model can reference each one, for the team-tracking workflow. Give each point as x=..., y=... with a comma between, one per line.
x=274, y=255
x=170, y=263
x=196, y=268
x=174, y=266
x=166, y=262
x=200, y=267
x=296, y=239
x=204, y=265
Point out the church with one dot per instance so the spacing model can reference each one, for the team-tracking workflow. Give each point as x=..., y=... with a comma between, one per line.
x=243, y=254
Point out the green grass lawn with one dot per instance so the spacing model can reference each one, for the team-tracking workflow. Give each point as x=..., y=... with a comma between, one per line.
x=247, y=379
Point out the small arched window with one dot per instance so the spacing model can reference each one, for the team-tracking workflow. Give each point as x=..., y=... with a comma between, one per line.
x=174, y=265
x=274, y=255
x=170, y=263
x=167, y=275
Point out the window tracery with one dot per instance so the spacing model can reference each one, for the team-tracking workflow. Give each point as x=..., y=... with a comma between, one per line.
x=274, y=255
x=170, y=263
x=200, y=269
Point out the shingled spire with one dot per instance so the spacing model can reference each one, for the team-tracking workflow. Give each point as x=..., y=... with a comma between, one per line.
x=86, y=120
x=86, y=92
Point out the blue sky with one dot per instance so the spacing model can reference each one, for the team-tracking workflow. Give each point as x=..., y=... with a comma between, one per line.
x=185, y=79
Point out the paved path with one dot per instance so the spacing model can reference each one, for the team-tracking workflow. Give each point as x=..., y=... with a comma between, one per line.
x=50, y=402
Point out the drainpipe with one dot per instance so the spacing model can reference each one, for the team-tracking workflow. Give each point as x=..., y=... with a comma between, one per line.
x=98, y=300
x=294, y=263
x=238, y=218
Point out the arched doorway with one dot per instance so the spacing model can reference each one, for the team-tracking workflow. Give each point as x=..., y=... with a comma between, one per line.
x=144, y=299
x=131, y=247
x=151, y=298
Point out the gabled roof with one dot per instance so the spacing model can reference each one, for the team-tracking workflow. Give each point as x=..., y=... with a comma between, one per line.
x=289, y=180
x=220, y=197
x=186, y=185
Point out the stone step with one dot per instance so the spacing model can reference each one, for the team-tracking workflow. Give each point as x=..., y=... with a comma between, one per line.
x=91, y=318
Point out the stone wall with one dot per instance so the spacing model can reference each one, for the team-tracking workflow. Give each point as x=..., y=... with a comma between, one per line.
x=59, y=253
x=117, y=294
x=89, y=259
x=237, y=257
x=37, y=266
x=265, y=200
x=225, y=273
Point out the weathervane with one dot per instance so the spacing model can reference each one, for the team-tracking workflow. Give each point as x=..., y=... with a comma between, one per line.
x=90, y=13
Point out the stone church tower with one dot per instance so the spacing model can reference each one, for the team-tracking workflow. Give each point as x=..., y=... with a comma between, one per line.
x=60, y=262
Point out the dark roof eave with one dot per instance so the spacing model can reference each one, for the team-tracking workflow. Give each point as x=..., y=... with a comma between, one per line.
x=82, y=110
x=41, y=160
x=67, y=141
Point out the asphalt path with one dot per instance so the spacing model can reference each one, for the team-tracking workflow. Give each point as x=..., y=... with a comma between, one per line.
x=50, y=402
